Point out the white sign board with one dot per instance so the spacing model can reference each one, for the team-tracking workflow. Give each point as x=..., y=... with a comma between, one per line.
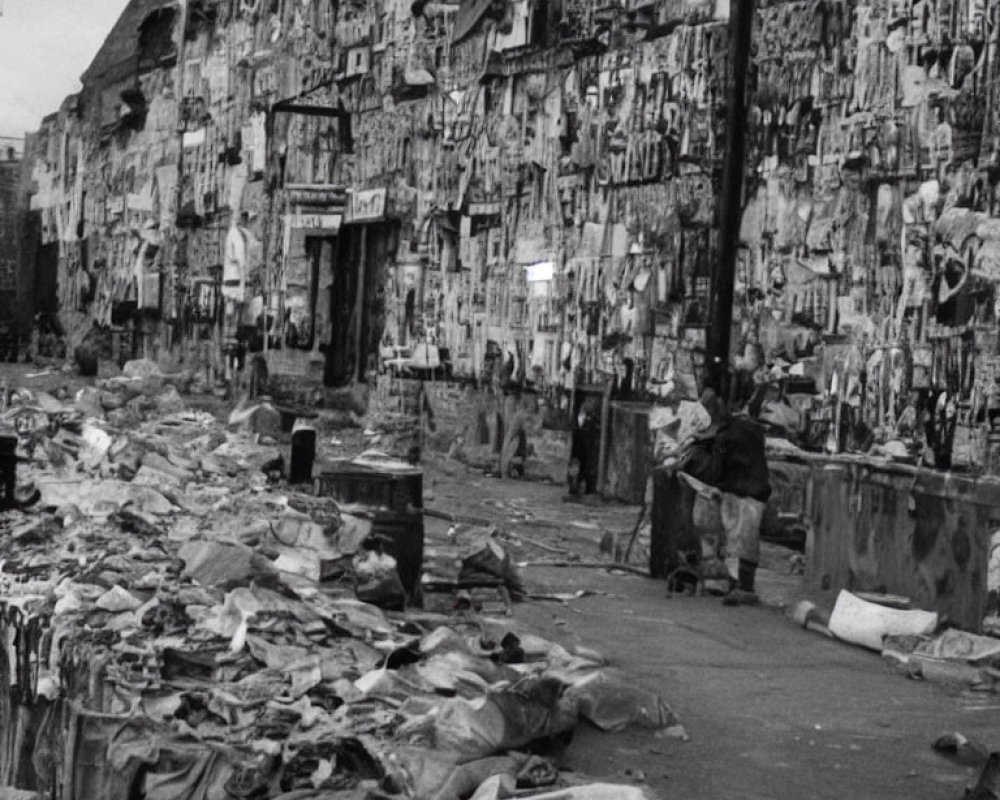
x=365, y=206
x=328, y=223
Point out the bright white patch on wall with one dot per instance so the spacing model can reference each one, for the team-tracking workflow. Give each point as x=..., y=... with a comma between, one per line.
x=542, y=271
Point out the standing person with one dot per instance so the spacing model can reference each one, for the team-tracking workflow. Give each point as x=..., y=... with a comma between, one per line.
x=585, y=448
x=525, y=424
x=730, y=456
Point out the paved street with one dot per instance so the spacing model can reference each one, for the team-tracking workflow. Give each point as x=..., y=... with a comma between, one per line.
x=773, y=712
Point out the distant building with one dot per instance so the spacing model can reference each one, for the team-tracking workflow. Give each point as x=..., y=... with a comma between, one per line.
x=12, y=205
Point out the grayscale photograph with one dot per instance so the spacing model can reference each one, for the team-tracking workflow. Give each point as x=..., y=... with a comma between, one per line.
x=494, y=399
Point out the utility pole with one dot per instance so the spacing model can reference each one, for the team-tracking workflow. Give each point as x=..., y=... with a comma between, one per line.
x=741, y=15
x=180, y=95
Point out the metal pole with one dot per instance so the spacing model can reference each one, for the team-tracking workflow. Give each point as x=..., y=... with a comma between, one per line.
x=731, y=203
x=269, y=228
x=181, y=127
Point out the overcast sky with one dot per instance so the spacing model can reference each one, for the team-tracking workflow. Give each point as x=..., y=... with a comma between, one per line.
x=45, y=45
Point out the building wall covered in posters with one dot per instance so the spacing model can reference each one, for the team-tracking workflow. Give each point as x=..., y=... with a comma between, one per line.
x=539, y=181
x=531, y=179
x=870, y=229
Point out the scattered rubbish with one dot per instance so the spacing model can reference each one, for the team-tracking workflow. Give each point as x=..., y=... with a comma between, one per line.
x=225, y=634
x=378, y=581
x=608, y=701
x=962, y=750
x=96, y=444
x=954, y=644
x=117, y=599
x=636, y=774
x=221, y=564
x=522, y=539
x=867, y=624
x=953, y=657
x=490, y=564
x=566, y=597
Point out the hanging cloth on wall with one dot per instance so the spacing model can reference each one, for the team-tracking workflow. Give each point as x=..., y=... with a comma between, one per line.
x=145, y=273
x=234, y=268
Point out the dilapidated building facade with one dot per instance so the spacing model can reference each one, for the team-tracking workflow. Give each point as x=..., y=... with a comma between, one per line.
x=346, y=177
x=327, y=183
x=14, y=289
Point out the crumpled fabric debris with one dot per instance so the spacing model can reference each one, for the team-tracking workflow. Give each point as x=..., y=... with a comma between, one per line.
x=504, y=719
x=378, y=581
x=220, y=563
x=612, y=703
x=868, y=624
x=488, y=563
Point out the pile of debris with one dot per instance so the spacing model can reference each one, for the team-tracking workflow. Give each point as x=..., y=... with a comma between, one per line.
x=912, y=641
x=181, y=624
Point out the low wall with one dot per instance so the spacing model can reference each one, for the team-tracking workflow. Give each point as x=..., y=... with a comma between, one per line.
x=925, y=535
x=629, y=457
x=872, y=527
x=882, y=527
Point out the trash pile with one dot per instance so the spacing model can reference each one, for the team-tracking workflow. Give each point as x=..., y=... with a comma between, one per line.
x=180, y=624
x=911, y=641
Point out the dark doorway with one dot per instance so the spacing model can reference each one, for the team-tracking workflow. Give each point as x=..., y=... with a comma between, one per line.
x=312, y=322
x=29, y=244
x=375, y=244
x=47, y=280
x=339, y=358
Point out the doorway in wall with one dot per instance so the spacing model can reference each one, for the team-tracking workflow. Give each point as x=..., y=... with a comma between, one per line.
x=363, y=253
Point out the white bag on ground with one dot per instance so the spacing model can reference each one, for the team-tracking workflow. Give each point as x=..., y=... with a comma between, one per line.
x=867, y=624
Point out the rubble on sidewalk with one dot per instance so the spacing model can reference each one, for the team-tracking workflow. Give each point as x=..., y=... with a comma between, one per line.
x=181, y=625
x=911, y=641
x=867, y=623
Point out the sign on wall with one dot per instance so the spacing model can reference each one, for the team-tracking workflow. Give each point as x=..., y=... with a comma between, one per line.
x=365, y=206
x=328, y=223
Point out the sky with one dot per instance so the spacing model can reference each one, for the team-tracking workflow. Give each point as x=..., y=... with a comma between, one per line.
x=45, y=45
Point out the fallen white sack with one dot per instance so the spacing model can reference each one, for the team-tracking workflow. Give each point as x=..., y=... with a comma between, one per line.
x=867, y=624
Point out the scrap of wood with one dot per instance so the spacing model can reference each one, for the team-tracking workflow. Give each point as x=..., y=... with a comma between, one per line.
x=469, y=520
x=518, y=537
x=447, y=516
x=566, y=597
x=586, y=565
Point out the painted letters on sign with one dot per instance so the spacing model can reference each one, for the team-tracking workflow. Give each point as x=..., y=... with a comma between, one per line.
x=316, y=222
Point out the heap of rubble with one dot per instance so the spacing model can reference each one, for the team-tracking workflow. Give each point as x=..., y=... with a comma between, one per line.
x=182, y=624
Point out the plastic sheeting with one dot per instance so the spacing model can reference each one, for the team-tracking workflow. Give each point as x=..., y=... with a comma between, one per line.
x=868, y=624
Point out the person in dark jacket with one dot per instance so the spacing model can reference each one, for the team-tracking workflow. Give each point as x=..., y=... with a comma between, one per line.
x=731, y=457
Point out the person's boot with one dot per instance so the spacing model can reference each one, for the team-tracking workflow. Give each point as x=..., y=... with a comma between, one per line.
x=744, y=593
